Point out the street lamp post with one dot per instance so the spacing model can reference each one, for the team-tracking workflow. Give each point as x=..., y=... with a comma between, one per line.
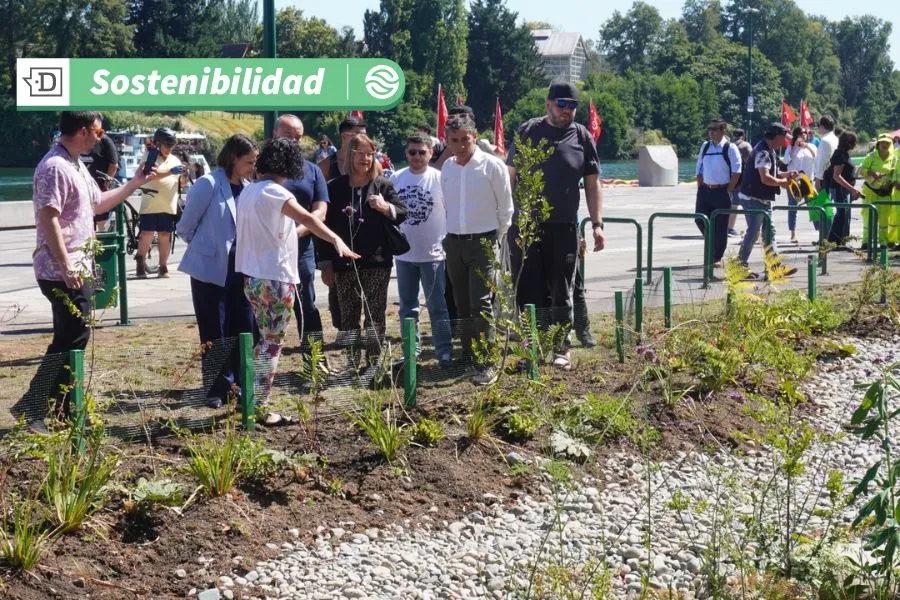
x=269, y=52
x=750, y=103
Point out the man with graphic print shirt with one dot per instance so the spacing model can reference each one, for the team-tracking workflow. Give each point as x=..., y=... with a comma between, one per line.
x=66, y=198
x=419, y=186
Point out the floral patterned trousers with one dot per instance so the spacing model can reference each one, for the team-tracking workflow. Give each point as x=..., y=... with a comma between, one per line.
x=273, y=305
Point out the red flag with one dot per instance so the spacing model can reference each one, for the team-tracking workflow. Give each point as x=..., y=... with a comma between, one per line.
x=357, y=113
x=806, y=118
x=499, y=138
x=787, y=114
x=595, y=123
x=441, y=113
x=458, y=100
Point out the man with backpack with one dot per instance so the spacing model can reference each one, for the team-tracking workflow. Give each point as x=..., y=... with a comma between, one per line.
x=718, y=172
x=739, y=139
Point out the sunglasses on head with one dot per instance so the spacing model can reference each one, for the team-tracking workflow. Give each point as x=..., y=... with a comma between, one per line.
x=573, y=104
x=415, y=152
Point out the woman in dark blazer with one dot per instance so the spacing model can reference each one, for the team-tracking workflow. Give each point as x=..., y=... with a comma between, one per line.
x=208, y=226
x=363, y=204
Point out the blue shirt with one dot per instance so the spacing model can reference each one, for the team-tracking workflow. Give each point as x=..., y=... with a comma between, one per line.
x=713, y=166
x=307, y=190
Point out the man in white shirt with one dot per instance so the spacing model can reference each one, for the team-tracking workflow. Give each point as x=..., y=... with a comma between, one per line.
x=419, y=186
x=479, y=205
x=718, y=172
x=828, y=143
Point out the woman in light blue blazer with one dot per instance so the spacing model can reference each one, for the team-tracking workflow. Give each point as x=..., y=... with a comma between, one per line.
x=208, y=226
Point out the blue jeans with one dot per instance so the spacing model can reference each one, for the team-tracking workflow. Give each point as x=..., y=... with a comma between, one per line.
x=754, y=224
x=840, y=225
x=309, y=321
x=792, y=214
x=431, y=275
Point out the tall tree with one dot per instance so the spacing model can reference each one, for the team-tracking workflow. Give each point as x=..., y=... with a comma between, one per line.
x=425, y=36
x=239, y=20
x=629, y=40
x=297, y=36
x=861, y=44
x=503, y=60
x=176, y=29
x=702, y=20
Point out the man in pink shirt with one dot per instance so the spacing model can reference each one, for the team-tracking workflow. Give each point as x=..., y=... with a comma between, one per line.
x=66, y=198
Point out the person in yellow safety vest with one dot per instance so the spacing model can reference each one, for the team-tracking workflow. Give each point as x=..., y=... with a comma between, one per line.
x=894, y=225
x=877, y=171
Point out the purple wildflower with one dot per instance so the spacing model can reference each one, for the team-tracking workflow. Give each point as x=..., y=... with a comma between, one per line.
x=737, y=396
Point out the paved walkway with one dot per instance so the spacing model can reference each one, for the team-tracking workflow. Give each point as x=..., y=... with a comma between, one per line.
x=677, y=244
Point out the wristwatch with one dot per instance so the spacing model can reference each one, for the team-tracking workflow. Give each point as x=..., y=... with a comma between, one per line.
x=595, y=224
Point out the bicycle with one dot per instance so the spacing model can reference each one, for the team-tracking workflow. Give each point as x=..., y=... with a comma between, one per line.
x=133, y=227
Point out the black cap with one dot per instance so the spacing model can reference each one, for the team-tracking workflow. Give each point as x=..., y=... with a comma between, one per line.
x=776, y=129
x=164, y=135
x=460, y=109
x=562, y=90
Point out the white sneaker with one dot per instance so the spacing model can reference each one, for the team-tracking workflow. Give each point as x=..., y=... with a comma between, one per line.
x=485, y=376
x=562, y=361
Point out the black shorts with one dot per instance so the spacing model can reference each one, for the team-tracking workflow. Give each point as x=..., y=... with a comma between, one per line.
x=158, y=222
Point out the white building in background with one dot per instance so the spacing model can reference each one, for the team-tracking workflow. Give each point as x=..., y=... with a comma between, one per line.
x=563, y=53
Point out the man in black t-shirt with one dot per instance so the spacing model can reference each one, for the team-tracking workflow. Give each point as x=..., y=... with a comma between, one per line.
x=549, y=268
x=105, y=160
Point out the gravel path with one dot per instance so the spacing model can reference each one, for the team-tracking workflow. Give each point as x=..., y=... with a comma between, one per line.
x=491, y=553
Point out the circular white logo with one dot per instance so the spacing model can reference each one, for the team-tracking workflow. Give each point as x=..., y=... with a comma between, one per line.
x=382, y=82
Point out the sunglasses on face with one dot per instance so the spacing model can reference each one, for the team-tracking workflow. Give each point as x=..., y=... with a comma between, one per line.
x=414, y=152
x=571, y=104
x=98, y=131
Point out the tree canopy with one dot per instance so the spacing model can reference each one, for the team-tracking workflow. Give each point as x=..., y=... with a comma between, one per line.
x=650, y=77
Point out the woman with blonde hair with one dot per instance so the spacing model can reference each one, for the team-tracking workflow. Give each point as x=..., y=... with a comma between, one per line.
x=364, y=211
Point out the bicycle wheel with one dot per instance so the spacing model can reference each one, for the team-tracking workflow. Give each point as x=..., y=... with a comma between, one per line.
x=152, y=261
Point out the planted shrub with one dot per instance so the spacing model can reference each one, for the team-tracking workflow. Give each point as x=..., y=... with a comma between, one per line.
x=77, y=483
x=427, y=433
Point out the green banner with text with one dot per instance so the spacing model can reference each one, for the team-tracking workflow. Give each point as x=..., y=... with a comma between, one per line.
x=261, y=84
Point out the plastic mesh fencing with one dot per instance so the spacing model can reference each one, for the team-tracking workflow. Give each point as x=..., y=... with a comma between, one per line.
x=156, y=388
x=28, y=385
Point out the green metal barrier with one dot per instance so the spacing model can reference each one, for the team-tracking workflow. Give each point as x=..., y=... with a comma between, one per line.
x=76, y=395
x=409, y=362
x=532, y=342
x=620, y=325
x=123, y=273
x=667, y=296
x=639, y=266
x=811, y=285
x=873, y=223
x=822, y=233
x=248, y=405
x=638, y=305
x=106, y=272
x=707, y=241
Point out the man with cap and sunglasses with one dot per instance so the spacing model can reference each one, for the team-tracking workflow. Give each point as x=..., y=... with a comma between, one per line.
x=548, y=271
x=759, y=186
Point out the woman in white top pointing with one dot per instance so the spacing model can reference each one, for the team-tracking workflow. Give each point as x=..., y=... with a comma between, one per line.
x=267, y=252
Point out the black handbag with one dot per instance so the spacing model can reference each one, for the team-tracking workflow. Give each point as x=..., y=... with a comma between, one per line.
x=394, y=239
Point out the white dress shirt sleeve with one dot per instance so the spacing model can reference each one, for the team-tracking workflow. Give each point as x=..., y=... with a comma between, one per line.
x=735, y=155
x=503, y=196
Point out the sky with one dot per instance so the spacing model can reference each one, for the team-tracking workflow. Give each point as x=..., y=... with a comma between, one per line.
x=586, y=17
